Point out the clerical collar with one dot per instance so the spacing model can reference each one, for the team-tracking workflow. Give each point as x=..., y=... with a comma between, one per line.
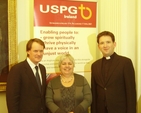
x=109, y=57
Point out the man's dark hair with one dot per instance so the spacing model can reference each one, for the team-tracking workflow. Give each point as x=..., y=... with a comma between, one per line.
x=105, y=33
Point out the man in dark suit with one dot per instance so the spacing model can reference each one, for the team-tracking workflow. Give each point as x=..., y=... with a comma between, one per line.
x=23, y=94
x=112, y=79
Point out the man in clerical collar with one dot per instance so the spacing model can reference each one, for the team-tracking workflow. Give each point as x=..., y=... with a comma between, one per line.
x=112, y=79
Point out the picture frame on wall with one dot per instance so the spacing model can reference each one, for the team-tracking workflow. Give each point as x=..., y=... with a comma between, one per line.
x=9, y=47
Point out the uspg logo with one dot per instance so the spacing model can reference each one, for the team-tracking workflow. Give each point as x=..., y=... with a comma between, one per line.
x=72, y=10
x=82, y=8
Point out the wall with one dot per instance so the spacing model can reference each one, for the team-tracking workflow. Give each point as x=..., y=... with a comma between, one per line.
x=3, y=108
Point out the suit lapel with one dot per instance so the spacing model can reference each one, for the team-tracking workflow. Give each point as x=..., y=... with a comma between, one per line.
x=31, y=76
x=43, y=77
x=112, y=68
x=100, y=76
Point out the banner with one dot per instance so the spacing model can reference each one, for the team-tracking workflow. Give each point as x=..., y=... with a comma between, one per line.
x=66, y=27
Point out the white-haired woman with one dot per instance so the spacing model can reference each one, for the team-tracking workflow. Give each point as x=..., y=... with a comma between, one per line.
x=69, y=92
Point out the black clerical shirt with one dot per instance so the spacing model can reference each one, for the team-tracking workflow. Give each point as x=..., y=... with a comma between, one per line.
x=106, y=64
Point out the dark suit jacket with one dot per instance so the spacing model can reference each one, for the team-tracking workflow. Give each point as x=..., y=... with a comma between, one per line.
x=118, y=92
x=22, y=94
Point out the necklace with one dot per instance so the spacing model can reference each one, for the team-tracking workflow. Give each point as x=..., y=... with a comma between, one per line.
x=66, y=80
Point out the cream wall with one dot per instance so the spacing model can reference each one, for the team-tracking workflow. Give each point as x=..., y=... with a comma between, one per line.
x=3, y=108
x=122, y=17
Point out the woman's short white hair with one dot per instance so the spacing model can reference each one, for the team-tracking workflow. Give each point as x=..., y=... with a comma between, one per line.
x=64, y=56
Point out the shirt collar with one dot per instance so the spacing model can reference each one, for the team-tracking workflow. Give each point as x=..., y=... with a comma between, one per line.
x=32, y=65
x=109, y=57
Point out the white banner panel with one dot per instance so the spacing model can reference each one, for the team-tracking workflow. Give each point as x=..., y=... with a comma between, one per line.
x=66, y=27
